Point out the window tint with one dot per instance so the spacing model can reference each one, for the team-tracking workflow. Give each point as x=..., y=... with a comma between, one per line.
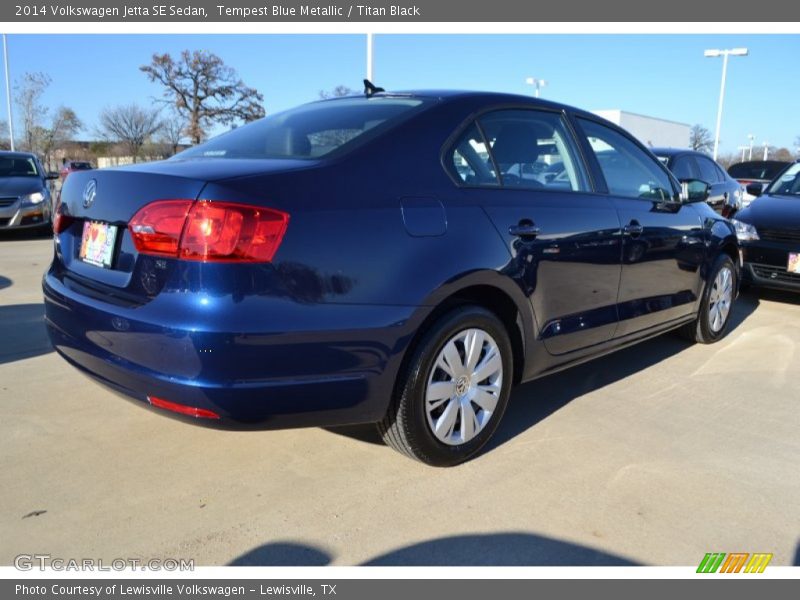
x=788, y=182
x=707, y=171
x=684, y=167
x=11, y=166
x=628, y=170
x=470, y=159
x=309, y=131
x=766, y=169
x=531, y=149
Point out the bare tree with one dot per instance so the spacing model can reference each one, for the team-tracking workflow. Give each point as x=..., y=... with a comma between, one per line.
x=700, y=139
x=64, y=125
x=5, y=142
x=173, y=132
x=29, y=91
x=337, y=92
x=204, y=90
x=130, y=125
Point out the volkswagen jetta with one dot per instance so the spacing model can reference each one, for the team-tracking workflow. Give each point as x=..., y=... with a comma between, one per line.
x=392, y=258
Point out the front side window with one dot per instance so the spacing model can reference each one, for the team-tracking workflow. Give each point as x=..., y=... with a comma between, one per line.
x=628, y=170
x=310, y=131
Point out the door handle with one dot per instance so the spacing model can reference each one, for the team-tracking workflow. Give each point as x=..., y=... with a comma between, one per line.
x=633, y=229
x=524, y=229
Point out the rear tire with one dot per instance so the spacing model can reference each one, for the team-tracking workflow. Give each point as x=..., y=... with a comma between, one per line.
x=716, y=307
x=453, y=391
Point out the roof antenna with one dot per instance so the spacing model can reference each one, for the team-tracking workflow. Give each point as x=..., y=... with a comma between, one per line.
x=370, y=88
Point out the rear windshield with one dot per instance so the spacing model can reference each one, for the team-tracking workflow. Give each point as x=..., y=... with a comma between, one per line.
x=756, y=170
x=310, y=131
x=80, y=166
x=18, y=167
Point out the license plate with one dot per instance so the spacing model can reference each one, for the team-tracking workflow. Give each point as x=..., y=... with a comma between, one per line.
x=97, y=245
x=793, y=264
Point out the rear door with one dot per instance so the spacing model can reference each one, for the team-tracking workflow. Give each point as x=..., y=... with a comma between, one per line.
x=523, y=168
x=662, y=239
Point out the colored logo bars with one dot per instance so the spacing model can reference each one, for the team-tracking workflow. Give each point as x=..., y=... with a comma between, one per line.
x=736, y=562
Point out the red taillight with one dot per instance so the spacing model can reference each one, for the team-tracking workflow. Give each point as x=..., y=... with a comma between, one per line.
x=156, y=228
x=208, y=231
x=61, y=221
x=192, y=411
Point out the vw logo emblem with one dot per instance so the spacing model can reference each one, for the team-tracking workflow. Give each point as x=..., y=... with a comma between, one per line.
x=89, y=193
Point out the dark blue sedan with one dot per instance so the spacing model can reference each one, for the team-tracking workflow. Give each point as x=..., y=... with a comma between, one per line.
x=393, y=258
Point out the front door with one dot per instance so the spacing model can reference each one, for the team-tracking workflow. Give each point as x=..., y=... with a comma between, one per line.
x=662, y=239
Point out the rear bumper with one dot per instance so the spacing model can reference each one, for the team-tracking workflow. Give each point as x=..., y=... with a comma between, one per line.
x=295, y=366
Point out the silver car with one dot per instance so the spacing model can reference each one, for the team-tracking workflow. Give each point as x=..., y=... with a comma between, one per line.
x=25, y=198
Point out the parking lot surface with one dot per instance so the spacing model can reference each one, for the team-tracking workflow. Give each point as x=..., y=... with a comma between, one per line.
x=654, y=455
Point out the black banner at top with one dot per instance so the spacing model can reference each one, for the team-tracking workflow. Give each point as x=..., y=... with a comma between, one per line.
x=460, y=11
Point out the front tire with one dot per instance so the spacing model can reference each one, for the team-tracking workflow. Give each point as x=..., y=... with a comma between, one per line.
x=453, y=392
x=717, y=305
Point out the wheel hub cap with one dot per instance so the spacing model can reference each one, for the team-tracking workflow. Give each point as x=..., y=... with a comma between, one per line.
x=463, y=387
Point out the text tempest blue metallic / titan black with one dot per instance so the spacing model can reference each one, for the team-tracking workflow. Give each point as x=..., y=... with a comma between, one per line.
x=393, y=258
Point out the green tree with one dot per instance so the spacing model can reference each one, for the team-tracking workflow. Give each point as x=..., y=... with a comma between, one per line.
x=204, y=91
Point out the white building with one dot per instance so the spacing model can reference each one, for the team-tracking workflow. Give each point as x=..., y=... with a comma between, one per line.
x=651, y=131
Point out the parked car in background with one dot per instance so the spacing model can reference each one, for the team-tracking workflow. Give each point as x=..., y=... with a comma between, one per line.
x=25, y=200
x=769, y=233
x=386, y=258
x=74, y=165
x=725, y=193
x=756, y=171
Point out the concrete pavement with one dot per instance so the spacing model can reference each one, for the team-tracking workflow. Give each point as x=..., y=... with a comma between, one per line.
x=654, y=455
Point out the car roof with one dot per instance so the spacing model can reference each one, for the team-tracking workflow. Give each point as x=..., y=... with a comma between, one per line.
x=482, y=96
x=9, y=154
x=668, y=151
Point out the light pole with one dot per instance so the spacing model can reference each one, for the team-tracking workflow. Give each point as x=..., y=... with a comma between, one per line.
x=752, y=138
x=8, y=95
x=537, y=84
x=724, y=54
x=369, y=56
x=744, y=149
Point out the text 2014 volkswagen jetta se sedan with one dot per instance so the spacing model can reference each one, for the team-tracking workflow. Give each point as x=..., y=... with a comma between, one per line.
x=399, y=259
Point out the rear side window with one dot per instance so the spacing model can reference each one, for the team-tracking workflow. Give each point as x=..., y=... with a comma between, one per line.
x=471, y=161
x=527, y=149
x=684, y=167
x=310, y=131
x=532, y=149
x=708, y=172
x=628, y=170
x=756, y=170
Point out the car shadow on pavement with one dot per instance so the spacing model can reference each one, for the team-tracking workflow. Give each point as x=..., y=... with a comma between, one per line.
x=26, y=234
x=495, y=549
x=5, y=282
x=783, y=296
x=533, y=402
x=22, y=332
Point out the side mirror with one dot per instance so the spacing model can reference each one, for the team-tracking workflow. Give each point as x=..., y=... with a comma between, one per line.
x=694, y=190
x=755, y=188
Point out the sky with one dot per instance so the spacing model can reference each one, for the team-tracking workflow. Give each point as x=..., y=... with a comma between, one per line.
x=663, y=76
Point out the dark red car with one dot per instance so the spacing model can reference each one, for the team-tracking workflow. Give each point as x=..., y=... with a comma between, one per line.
x=74, y=165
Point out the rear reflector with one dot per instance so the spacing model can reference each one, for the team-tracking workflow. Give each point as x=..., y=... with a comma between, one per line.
x=192, y=411
x=208, y=231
